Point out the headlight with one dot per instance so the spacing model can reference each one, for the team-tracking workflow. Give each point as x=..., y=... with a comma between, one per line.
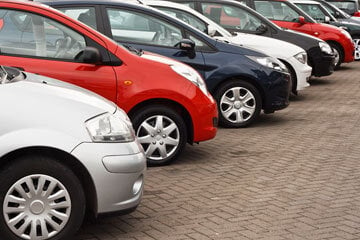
x=270, y=62
x=301, y=57
x=347, y=34
x=110, y=128
x=190, y=74
x=325, y=48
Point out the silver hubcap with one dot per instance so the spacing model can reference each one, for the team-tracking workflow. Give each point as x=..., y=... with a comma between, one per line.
x=237, y=105
x=159, y=136
x=337, y=56
x=37, y=207
x=357, y=49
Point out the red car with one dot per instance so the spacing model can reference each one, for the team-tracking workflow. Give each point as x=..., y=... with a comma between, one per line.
x=167, y=101
x=287, y=15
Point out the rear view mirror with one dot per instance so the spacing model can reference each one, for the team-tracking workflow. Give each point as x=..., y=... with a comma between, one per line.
x=187, y=45
x=302, y=20
x=89, y=55
x=261, y=29
x=327, y=19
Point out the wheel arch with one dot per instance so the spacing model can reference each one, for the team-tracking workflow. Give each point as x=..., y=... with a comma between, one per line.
x=339, y=46
x=293, y=72
x=65, y=158
x=175, y=106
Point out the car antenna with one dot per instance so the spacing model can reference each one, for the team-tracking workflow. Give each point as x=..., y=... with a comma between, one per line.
x=141, y=2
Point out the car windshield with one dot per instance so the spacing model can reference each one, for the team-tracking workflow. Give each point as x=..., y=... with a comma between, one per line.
x=8, y=74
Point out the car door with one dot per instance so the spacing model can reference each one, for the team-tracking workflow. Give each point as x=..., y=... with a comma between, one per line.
x=233, y=18
x=39, y=44
x=145, y=31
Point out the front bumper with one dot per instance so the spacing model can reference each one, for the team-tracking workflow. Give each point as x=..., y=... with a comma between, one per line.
x=303, y=73
x=277, y=93
x=322, y=64
x=204, y=116
x=117, y=171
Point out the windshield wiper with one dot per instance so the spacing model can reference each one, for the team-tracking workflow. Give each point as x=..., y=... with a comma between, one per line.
x=134, y=50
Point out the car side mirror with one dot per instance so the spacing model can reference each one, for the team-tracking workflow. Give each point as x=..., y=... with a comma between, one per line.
x=211, y=30
x=327, y=19
x=187, y=45
x=89, y=55
x=261, y=29
x=337, y=15
x=302, y=20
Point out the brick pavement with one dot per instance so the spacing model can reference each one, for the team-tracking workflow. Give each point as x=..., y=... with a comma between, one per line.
x=294, y=175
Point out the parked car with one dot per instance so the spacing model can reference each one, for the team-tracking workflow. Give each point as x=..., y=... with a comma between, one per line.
x=349, y=6
x=344, y=18
x=320, y=55
x=288, y=15
x=166, y=100
x=243, y=81
x=294, y=57
x=321, y=14
x=63, y=150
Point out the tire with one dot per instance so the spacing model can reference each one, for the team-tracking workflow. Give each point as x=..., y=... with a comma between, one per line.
x=161, y=145
x=227, y=103
x=30, y=172
x=356, y=40
x=339, y=52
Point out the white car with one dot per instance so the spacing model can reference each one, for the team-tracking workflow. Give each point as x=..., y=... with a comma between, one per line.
x=294, y=57
x=63, y=150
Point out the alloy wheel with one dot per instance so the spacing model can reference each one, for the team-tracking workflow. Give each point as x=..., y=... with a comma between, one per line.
x=159, y=136
x=357, y=49
x=37, y=207
x=237, y=104
x=337, y=56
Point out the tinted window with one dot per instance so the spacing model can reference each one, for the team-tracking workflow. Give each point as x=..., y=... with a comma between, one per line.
x=231, y=17
x=185, y=17
x=276, y=11
x=85, y=15
x=28, y=34
x=349, y=7
x=140, y=28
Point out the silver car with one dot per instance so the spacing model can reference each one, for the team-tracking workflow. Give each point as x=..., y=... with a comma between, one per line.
x=63, y=150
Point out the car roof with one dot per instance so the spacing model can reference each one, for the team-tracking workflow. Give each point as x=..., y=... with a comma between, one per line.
x=305, y=1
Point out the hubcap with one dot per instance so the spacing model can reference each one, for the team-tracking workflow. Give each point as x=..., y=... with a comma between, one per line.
x=37, y=207
x=337, y=56
x=237, y=105
x=357, y=49
x=159, y=136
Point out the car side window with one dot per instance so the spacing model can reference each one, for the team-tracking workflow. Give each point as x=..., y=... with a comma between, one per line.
x=85, y=15
x=276, y=11
x=185, y=17
x=314, y=11
x=130, y=26
x=189, y=4
x=231, y=17
x=27, y=34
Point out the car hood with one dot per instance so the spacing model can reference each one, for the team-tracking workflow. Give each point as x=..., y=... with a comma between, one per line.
x=50, y=88
x=270, y=46
x=225, y=45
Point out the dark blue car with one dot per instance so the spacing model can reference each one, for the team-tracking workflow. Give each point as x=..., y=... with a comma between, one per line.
x=243, y=81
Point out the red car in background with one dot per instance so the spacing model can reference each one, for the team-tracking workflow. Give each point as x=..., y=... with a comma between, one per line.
x=167, y=101
x=287, y=15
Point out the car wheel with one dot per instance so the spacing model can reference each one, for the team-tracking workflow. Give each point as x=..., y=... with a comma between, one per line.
x=339, y=55
x=40, y=199
x=293, y=78
x=356, y=40
x=161, y=132
x=239, y=104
